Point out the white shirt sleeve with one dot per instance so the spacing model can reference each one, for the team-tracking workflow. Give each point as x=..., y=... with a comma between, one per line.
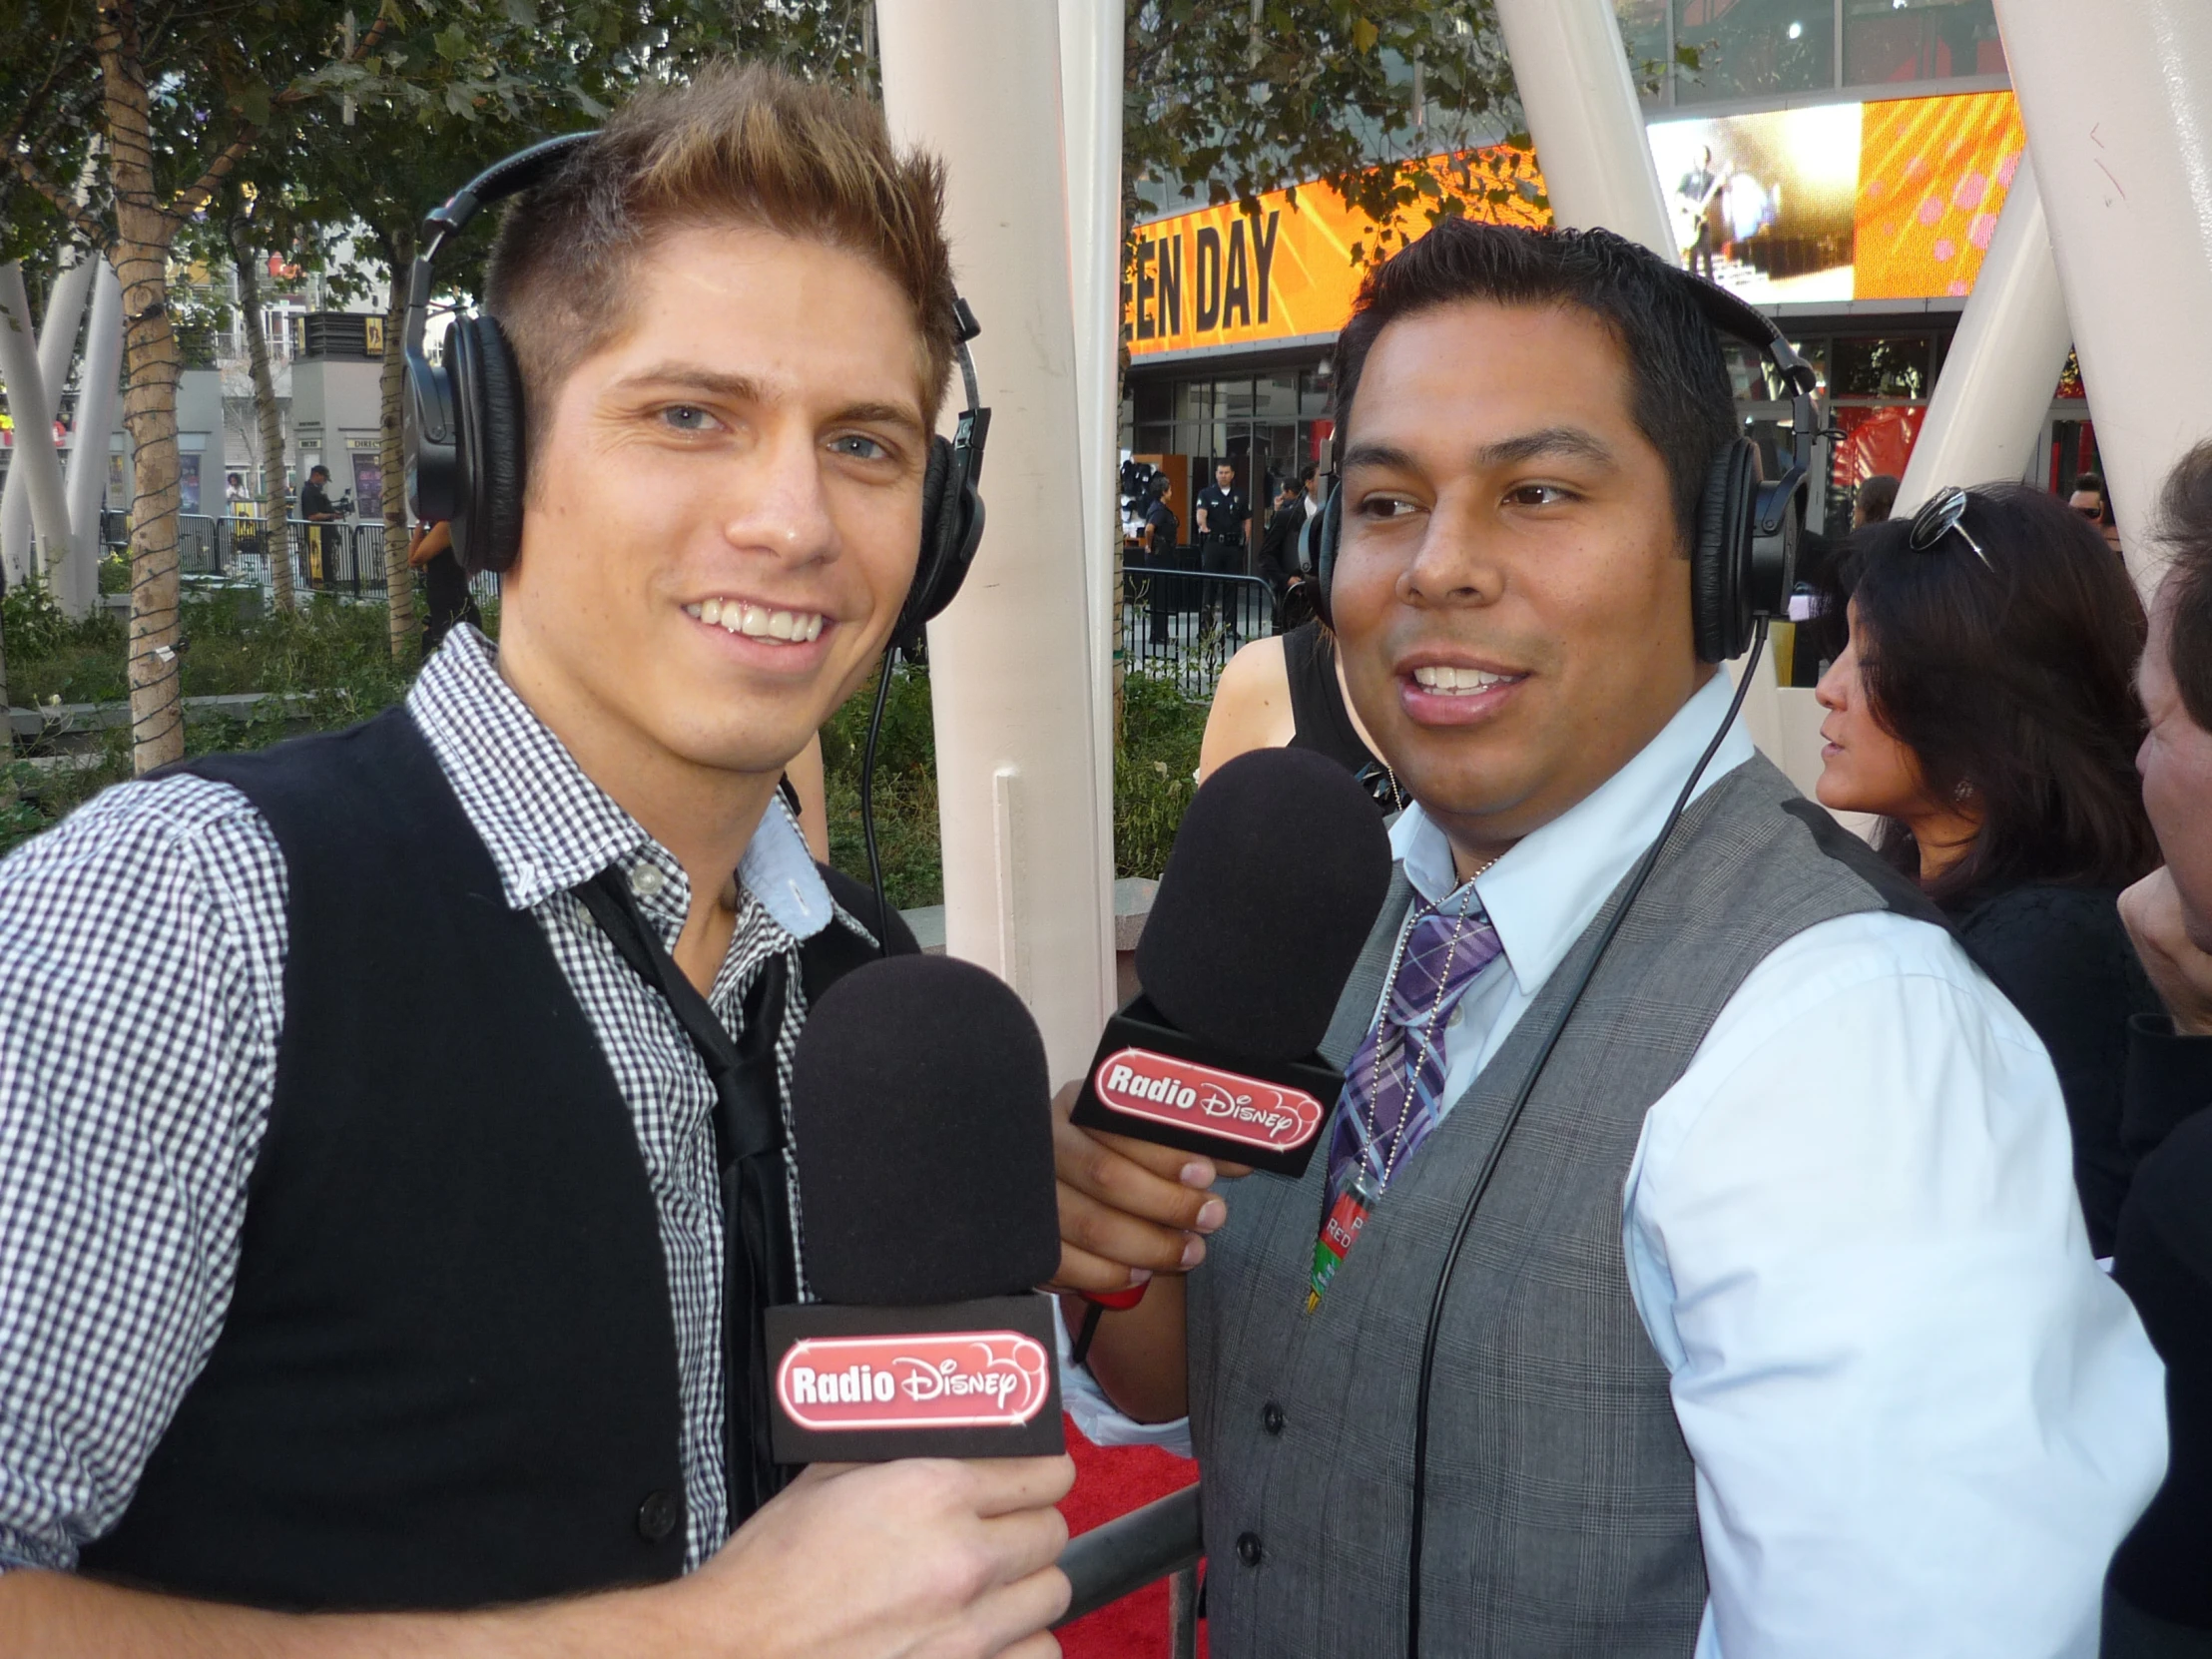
x=1922, y=1419
x=1102, y=1422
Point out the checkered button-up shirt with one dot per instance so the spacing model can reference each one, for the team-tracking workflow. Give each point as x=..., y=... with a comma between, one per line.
x=141, y=1002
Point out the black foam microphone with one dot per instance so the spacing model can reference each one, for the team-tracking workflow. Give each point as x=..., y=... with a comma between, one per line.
x=1271, y=890
x=922, y=1131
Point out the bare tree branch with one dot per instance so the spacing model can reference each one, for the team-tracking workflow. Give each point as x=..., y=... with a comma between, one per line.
x=202, y=189
x=65, y=205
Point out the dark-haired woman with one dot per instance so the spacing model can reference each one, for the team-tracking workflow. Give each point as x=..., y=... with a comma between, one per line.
x=1985, y=706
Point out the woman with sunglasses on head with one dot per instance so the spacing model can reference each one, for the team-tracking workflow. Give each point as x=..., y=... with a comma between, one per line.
x=1985, y=707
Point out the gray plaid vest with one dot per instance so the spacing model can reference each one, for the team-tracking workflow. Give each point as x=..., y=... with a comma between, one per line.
x=1562, y=1516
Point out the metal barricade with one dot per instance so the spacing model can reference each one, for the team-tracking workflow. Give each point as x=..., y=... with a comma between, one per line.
x=199, y=544
x=333, y=556
x=1181, y=624
x=1160, y=1540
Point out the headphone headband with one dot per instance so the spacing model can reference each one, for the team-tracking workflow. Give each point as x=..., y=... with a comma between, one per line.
x=1731, y=314
x=464, y=418
x=508, y=177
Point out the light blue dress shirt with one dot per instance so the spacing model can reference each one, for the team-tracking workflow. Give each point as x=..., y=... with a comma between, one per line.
x=1922, y=1419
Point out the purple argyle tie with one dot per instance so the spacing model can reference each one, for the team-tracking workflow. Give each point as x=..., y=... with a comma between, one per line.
x=1393, y=1088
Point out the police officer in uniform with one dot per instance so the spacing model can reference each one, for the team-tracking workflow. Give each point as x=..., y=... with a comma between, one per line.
x=1224, y=522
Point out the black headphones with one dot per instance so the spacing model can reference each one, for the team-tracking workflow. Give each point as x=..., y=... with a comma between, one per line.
x=1744, y=558
x=465, y=440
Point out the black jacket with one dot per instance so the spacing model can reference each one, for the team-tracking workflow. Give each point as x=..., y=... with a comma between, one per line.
x=2163, y=1259
x=1278, y=546
x=2062, y=956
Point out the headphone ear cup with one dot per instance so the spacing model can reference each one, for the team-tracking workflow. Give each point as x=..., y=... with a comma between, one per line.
x=487, y=397
x=1319, y=534
x=951, y=525
x=1720, y=563
x=429, y=409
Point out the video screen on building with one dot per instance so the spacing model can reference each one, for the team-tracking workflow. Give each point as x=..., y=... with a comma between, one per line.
x=1895, y=200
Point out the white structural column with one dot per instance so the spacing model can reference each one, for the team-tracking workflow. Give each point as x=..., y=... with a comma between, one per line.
x=1987, y=408
x=31, y=407
x=76, y=578
x=1572, y=72
x=2119, y=109
x=1010, y=663
x=57, y=348
x=1090, y=113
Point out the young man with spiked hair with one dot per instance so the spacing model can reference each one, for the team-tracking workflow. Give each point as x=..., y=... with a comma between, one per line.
x=362, y=1264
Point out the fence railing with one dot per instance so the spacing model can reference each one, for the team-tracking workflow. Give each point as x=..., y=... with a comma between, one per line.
x=1160, y=1540
x=1180, y=623
x=327, y=557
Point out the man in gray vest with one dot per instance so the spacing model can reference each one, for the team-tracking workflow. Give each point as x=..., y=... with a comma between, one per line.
x=1776, y=1329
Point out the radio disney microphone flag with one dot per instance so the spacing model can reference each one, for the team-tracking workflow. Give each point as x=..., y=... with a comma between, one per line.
x=1273, y=885
x=922, y=1124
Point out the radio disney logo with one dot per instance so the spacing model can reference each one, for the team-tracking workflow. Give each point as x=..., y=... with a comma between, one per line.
x=1191, y=1096
x=952, y=1379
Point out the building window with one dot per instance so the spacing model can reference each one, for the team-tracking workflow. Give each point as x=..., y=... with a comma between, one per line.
x=1753, y=48
x=1644, y=33
x=1919, y=40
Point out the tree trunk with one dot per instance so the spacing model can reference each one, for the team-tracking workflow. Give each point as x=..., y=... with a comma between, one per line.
x=144, y=231
x=276, y=499
x=399, y=577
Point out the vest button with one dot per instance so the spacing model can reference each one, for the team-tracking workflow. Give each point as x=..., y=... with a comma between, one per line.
x=1248, y=1550
x=658, y=1516
x=1270, y=1417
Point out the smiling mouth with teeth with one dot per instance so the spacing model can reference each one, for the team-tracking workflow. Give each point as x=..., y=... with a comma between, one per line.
x=757, y=622
x=1461, y=682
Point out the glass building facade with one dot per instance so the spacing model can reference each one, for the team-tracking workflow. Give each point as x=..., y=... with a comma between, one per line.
x=1700, y=52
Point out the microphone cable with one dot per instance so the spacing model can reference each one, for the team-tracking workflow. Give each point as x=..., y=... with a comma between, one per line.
x=1636, y=880
x=867, y=801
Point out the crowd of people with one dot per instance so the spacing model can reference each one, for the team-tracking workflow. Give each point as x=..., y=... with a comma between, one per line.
x=1731, y=1237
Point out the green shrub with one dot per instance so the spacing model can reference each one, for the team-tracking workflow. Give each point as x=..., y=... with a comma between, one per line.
x=35, y=626
x=905, y=789
x=339, y=657
x=1154, y=772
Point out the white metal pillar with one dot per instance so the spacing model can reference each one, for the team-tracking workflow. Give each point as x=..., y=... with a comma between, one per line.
x=1989, y=405
x=31, y=407
x=1010, y=663
x=1572, y=72
x=76, y=578
x=1090, y=109
x=57, y=348
x=2119, y=109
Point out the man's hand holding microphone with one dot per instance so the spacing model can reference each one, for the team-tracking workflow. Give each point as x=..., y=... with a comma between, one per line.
x=1213, y=1070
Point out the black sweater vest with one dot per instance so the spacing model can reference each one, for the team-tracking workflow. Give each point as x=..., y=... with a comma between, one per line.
x=448, y=1377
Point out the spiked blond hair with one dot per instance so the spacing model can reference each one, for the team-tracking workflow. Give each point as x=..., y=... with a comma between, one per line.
x=738, y=143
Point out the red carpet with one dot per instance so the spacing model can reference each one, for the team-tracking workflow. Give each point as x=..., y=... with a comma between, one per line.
x=1110, y=1481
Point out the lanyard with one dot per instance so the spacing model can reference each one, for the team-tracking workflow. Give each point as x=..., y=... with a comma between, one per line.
x=757, y=1267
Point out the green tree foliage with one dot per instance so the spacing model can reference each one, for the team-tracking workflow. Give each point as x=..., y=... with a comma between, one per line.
x=1229, y=100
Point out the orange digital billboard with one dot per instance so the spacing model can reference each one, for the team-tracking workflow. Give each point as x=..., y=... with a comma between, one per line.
x=1222, y=276
x=1895, y=198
